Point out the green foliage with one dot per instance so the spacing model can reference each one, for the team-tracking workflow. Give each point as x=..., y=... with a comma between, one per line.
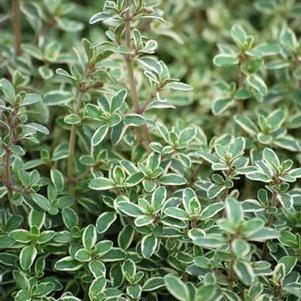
x=150, y=150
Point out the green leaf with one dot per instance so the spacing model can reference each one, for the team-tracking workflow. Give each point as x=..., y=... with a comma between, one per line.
x=172, y=179
x=279, y=273
x=21, y=235
x=67, y=264
x=143, y=220
x=296, y=173
x=214, y=190
x=118, y=100
x=220, y=105
x=37, y=127
x=212, y=158
x=288, y=239
x=257, y=83
x=99, y=135
x=240, y=247
x=8, y=89
x=57, y=179
x=97, y=286
x=134, y=120
x=45, y=237
x=115, y=254
x=82, y=255
x=153, y=161
x=225, y=60
x=97, y=268
x=13, y=222
x=264, y=50
x=70, y=218
x=8, y=259
x=36, y=219
x=89, y=237
x=289, y=263
x=288, y=38
x=134, y=291
x=64, y=73
x=176, y=287
x=21, y=279
x=150, y=64
x=57, y=98
x=33, y=51
x=264, y=234
x=208, y=242
x=126, y=236
x=31, y=98
x=23, y=295
x=187, y=135
x=234, y=211
x=237, y=146
x=99, y=17
x=69, y=25
x=27, y=257
x=158, y=198
x=293, y=289
x=150, y=47
x=45, y=72
x=69, y=298
x=41, y=201
x=178, y=86
x=270, y=156
x=103, y=247
x=244, y=272
x=104, y=221
x=246, y=124
x=148, y=245
x=129, y=268
x=277, y=118
x=176, y=213
x=44, y=289
x=128, y=208
x=206, y=293
x=239, y=35
x=135, y=178
x=101, y=184
x=258, y=176
x=72, y=119
x=152, y=284
x=252, y=226
x=137, y=38
x=6, y=241
x=211, y=210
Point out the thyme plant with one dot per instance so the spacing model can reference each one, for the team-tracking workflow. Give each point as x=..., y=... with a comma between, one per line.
x=150, y=150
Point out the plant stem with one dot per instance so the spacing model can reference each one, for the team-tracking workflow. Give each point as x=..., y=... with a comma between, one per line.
x=196, y=172
x=72, y=139
x=132, y=85
x=16, y=26
x=130, y=70
x=269, y=223
x=72, y=142
x=247, y=191
x=152, y=95
x=128, y=58
x=9, y=181
x=8, y=177
x=231, y=276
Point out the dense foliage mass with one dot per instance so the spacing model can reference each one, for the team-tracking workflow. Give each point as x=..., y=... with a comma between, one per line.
x=153, y=154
